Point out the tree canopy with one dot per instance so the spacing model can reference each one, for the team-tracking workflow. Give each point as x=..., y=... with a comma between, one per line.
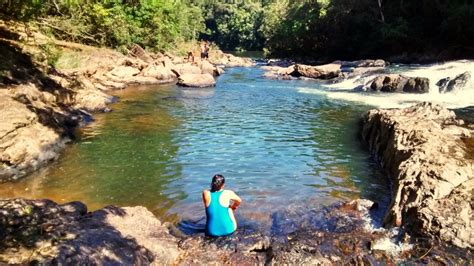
x=324, y=29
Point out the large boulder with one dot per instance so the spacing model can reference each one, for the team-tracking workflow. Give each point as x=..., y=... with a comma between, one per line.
x=423, y=149
x=328, y=71
x=399, y=83
x=196, y=80
x=159, y=71
x=208, y=68
x=186, y=68
x=417, y=85
x=455, y=84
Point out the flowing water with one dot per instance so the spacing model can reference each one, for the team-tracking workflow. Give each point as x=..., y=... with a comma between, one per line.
x=459, y=99
x=280, y=145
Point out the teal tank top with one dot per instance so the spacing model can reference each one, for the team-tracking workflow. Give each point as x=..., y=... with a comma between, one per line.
x=218, y=221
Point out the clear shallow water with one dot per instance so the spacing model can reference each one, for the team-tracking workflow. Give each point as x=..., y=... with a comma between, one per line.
x=279, y=148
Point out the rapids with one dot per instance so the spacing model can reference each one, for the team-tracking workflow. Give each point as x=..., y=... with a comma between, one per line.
x=464, y=98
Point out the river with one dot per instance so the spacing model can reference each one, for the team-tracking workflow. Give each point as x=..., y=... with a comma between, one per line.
x=280, y=144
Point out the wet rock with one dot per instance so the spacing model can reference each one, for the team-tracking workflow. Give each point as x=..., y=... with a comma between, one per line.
x=334, y=234
x=417, y=85
x=422, y=148
x=196, y=80
x=455, y=84
x=399, y=83
x=317, y=72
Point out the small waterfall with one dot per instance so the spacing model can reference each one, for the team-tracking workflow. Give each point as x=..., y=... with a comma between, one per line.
x=344, y=90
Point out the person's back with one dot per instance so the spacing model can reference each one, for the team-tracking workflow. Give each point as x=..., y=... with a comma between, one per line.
x=220, y=205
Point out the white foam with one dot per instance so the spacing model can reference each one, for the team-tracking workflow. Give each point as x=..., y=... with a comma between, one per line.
x=390, y=246
x=344, y=90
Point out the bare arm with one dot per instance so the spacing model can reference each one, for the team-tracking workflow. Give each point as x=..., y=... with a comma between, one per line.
x=206, y=199
x=236, y=201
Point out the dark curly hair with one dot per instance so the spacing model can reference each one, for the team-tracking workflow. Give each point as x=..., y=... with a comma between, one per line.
x=217, y=182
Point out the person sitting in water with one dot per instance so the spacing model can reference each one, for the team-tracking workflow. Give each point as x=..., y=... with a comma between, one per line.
x=220, y=206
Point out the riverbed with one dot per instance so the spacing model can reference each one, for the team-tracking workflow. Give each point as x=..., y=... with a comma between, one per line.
x=279, y=147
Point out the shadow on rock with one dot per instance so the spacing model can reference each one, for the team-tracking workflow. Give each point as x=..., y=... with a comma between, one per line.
x=42, y=231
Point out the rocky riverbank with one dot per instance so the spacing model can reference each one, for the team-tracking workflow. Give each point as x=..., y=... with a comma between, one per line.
x=42, y=105
x=41, y=231
x=426, y=153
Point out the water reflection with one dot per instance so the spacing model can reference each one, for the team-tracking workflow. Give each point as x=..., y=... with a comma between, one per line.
x=123, y=158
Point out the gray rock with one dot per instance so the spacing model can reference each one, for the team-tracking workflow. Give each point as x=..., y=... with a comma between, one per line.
x=417, y=85
x=455, y=84
x=399, y=83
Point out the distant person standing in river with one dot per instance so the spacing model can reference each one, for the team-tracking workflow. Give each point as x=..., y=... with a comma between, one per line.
x=220, y=205
x=204, y=51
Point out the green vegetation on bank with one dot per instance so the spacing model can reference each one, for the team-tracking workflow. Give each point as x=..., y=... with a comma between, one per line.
x=154, y=24
x=344, y=29
x=322, y=29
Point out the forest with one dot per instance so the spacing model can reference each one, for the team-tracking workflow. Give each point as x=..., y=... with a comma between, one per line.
x=318, y=29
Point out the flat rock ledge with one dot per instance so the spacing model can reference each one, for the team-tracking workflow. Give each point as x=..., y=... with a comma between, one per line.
x=425, y=152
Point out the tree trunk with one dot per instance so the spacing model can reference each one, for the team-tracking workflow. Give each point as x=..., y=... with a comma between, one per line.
x=382, y=17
